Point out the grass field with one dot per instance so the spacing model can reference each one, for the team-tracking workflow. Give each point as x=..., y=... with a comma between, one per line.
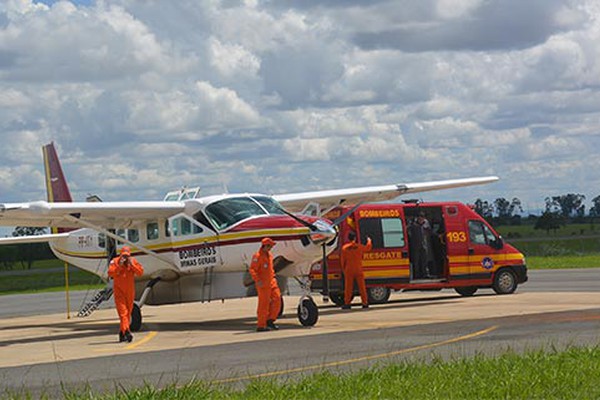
x=534, y=375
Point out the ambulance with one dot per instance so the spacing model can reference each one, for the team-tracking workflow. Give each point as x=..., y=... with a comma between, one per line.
x=422, y=246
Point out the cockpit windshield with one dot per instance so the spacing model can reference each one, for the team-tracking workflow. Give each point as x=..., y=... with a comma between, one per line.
x=227, y=212
x=269, y=204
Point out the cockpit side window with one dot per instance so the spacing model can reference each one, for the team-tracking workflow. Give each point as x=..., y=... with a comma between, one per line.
x=227, y=212
x=269, y=204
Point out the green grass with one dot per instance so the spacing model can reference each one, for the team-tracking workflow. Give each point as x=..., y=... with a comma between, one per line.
x=570, y=374
x=54, y=280
x=528, y=231
x=563, y=262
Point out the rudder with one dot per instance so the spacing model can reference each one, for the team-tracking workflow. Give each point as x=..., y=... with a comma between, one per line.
x=56, y=184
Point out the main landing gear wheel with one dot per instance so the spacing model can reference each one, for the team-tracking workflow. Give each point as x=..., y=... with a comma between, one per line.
x=308, y=312
x=136, y=318
x=505, y=282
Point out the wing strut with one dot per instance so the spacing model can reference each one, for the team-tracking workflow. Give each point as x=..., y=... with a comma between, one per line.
x=73, y=218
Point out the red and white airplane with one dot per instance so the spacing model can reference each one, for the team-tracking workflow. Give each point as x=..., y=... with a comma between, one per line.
x=196, y=248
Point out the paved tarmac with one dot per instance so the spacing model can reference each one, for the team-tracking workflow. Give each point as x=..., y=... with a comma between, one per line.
x=216, y=341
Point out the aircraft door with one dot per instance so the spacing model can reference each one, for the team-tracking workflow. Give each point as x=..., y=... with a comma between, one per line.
x=484, y=250
x=195, y=245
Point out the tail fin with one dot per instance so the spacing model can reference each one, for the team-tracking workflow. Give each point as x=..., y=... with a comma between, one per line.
x=56, y=184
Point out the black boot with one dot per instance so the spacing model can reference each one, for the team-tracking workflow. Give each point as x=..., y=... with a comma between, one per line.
x=128, y=336
x=272, y=325
x=121, y=337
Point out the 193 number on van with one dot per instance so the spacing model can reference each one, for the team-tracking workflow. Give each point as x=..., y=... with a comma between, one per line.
x=456, y=237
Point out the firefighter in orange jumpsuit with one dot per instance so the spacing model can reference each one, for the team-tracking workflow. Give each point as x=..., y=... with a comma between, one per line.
x=351, y=261
x=269, y=295
x=123, y=269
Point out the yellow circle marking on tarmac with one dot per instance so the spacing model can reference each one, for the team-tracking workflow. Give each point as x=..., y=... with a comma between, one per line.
x=358, y=359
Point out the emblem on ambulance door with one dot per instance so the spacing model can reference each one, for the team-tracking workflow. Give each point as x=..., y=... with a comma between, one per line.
x=487, y=263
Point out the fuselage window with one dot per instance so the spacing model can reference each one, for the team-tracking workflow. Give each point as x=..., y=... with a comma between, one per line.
x=183, y=226
x=121, y=233
x=102, y=240
x=227, y=212
x=384, y=232
x=201, y=218
x=152, y=230
x=133, y=235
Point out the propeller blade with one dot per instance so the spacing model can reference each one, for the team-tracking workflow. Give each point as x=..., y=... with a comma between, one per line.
x=342, y=217
x=312, y=227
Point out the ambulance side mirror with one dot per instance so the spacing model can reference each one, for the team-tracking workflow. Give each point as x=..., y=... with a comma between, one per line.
x=498, y=243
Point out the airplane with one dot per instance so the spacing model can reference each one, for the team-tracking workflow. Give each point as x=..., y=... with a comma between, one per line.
x=196, y=248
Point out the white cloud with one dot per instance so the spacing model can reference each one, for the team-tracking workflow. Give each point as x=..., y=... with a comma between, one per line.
x=287, y=96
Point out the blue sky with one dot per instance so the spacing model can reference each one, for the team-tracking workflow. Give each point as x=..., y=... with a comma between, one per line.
x=143, y=97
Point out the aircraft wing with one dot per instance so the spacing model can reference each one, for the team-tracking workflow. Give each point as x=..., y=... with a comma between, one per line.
x=329, y=198
x=109, y=215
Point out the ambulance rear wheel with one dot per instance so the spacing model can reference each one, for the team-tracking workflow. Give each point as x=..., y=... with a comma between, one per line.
x=466, y=291
x=505, y=281
x=337, y=298
x=308, y=312
x=136, y=318
x=378, y=295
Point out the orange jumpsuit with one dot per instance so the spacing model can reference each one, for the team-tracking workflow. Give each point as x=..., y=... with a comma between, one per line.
x=351, y=260
x=269, y=295
x=124, y=287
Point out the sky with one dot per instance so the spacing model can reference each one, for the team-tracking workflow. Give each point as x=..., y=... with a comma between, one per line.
x=280, y=96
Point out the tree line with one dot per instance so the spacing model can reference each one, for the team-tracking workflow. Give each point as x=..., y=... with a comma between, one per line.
x=558, y=211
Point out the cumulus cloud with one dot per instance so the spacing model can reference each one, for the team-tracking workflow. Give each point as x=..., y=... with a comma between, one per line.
x=281, y=96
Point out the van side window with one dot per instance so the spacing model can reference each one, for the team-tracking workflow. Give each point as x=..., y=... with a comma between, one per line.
x=384, y=232
x=480, y=233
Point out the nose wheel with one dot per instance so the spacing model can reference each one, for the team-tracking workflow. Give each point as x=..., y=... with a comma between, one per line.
x=308, y=312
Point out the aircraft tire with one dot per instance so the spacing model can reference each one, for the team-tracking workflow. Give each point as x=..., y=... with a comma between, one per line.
x=308, y=312
x=505, y=281
x=466, y=291
x=378, y=295
x=136, y=318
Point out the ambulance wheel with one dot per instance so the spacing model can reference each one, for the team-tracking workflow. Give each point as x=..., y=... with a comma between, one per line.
x=378, y=295
x=337, y=298
x=466, y=291
x=505, y=281
x=136, y=318
x=308, y=312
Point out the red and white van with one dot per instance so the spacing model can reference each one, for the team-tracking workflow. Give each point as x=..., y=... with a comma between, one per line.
x=463, y=251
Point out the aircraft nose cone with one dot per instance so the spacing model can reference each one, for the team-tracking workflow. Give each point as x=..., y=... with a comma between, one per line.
x=324, y=233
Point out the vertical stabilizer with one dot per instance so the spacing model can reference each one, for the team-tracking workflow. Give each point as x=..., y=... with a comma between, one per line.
x=56, y=184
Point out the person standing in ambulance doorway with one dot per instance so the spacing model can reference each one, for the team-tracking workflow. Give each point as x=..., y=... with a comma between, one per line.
x=123, y=269
x=351, y=262
x=269, y=295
